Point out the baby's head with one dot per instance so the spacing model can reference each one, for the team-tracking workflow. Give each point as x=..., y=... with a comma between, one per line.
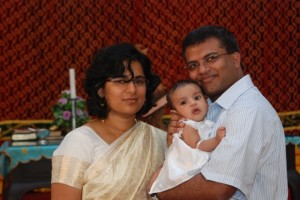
x=187, y=99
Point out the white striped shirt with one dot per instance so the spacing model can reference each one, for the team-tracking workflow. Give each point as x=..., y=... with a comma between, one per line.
x=252, y=156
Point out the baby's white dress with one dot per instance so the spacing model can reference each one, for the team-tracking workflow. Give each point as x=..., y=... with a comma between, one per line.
x=183, y=162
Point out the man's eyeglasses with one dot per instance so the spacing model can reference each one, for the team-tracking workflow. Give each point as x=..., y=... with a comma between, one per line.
x=137, y=81
x=206, y=62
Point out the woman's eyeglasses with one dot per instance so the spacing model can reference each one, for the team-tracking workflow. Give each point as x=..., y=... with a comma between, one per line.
x=137, y=81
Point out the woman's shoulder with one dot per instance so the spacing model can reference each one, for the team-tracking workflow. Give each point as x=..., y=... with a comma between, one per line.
x=81, y=132
x=79, y=143
x=159, y=137
x=157, y=131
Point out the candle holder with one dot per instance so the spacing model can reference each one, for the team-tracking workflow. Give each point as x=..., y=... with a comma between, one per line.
x=73, y=112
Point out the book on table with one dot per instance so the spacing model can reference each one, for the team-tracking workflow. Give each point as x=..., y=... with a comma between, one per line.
x=55, y=133
x=24, y=143
x=24, y=134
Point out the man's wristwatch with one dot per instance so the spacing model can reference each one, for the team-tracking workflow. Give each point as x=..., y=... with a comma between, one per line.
x=154, y=196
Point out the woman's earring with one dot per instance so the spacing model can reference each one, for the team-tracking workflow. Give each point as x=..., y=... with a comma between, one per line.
x=102, y=99
x=102, y=102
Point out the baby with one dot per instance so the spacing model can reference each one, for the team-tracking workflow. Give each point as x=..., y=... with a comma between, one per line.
x=191, y=147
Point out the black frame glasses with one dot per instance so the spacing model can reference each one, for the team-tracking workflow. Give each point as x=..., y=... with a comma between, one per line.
x=137, y=81
x=206, y=62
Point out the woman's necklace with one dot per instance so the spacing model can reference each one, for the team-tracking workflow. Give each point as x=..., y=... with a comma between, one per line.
x=111, y=131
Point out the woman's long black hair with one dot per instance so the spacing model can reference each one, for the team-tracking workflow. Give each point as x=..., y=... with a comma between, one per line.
x=112, y=62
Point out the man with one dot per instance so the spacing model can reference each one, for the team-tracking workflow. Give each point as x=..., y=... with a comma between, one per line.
x=250, y=162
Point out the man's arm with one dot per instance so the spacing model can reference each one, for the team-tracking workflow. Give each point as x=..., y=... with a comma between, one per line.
x=198, y=188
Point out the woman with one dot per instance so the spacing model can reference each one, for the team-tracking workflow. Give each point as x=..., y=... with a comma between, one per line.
x=114, y=155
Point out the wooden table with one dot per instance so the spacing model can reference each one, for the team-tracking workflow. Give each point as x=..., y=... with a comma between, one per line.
x=25, y=168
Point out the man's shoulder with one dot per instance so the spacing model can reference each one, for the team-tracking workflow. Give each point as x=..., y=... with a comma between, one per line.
x=254, y=99
x=253, y=105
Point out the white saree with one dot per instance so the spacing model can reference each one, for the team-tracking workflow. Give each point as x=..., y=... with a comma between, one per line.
x=122, y=171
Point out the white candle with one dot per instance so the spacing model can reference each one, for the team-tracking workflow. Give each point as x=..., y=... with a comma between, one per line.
x=72, y=83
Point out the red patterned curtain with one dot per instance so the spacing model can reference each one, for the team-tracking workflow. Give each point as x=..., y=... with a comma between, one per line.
x=41, y=40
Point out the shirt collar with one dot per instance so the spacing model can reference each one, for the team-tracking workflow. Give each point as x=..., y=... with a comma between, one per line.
x=236, y=90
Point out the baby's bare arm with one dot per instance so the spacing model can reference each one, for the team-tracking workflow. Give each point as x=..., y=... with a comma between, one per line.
x=210, y=144
x=190, y=136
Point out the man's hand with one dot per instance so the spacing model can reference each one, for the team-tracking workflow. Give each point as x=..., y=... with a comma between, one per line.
x=198, y=188
x=174, y=126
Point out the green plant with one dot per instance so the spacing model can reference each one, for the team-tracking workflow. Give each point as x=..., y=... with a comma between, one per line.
x=62, y=111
